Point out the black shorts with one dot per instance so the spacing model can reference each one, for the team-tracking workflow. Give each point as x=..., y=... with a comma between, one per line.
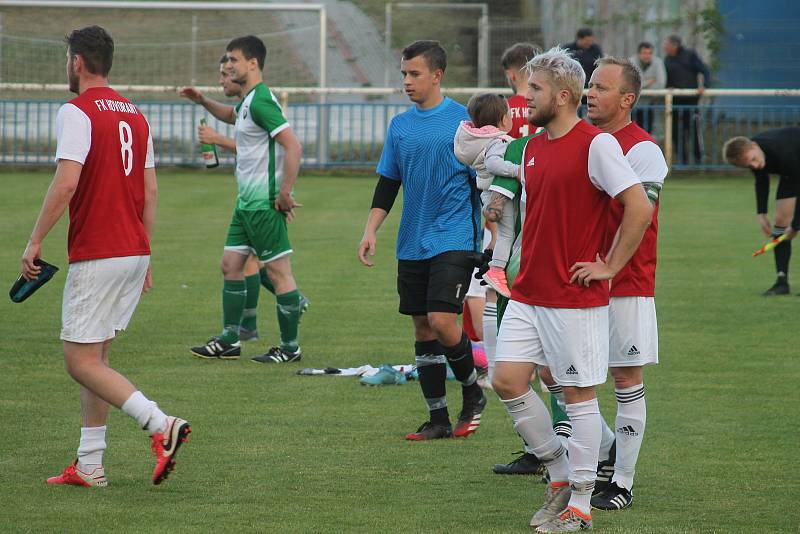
x=438, y=284
x=788, y=187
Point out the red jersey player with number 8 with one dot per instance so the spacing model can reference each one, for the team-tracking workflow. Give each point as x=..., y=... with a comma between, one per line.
x=106, y=173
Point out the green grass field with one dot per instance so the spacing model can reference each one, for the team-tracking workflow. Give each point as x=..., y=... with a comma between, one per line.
x=274, y=452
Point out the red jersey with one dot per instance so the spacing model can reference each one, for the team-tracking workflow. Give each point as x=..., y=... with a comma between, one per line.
x=638, y=277
x=110, y=137
x=520, y=127
x=569, y=182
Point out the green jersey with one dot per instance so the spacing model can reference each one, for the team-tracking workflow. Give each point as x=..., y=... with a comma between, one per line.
x=514, y=153
x=259, y=162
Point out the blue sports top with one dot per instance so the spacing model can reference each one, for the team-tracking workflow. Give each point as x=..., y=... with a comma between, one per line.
x=441, y=208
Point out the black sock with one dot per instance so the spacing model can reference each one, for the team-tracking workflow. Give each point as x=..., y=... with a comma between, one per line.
x=461, y=362
x=432, y=371
x=782, y=254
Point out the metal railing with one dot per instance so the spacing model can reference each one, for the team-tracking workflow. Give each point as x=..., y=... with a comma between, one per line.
x=351, y=134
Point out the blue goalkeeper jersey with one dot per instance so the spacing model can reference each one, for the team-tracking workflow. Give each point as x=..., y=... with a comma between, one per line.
x=441, y=207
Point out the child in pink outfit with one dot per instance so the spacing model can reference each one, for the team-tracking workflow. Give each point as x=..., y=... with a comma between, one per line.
x=481, y=143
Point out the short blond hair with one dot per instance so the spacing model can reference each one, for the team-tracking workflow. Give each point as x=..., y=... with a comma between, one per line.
x=734, y=148
x=564, y=71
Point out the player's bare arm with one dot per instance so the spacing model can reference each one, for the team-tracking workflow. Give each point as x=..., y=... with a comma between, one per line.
x=223, y=112
x=368, y=244
x=209, y=135
x=763, y=222
x=291, y=166
x=149, y=216
x=59, y=194
x=635, y=220
x=653, y=190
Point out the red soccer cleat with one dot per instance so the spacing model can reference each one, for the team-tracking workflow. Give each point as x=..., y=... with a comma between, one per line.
x=165, y=446
x=470, y=418
x=430, y=431
x=72, y=476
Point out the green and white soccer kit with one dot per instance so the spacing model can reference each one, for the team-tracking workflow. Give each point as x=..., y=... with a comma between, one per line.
x=256, y=225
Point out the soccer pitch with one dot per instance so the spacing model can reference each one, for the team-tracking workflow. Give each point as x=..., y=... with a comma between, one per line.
x=274, y=452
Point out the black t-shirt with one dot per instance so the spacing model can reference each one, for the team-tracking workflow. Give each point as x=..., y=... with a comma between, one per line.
x=585, y=57
x=781, y=148
x=683, y=68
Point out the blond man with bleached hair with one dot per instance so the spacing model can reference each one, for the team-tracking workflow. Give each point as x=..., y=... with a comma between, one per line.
x=565, y=73
x=559, y=309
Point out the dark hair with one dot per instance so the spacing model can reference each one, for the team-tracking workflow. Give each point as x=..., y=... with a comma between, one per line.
x=644, y=44
x=675, y=39
x=433, y=53
x=517, y=56
x=95, y=46
x=223, y=59
x=584, y=32
x=251, y=47
x=487, y=109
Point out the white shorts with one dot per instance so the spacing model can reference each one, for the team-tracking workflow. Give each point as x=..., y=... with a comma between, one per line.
x=100, y=297
x=633, y=332
x=573, y=343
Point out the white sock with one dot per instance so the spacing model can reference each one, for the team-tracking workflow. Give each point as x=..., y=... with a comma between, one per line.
x=563, y=430
x=145, y=412
x=91, y=448
x=532, y=422
x=558, y=392
x=490, y=335
x=607, y=441
x=630, y=423
x=584, y=446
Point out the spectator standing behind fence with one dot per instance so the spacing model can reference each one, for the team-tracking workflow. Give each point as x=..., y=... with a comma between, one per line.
x=683, y=65
x=585, y=50
x=654, y=76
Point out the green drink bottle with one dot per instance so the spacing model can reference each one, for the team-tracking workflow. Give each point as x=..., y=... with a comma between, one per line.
x=209, y=152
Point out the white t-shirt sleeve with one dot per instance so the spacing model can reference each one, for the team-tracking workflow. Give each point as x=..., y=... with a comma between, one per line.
x=608, y=168
x=150, y=158
x=73, y=134
x=648, y=162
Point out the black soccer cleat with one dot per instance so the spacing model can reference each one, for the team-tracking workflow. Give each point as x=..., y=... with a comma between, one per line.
x=780, y=288
x=278, y=355
x=430, y=431
x=614, y=497
x=470, y=417
x=215, y=348
x=605, y=471
x=526, y=464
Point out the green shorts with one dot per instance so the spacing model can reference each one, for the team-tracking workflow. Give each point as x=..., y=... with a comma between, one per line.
x=262, y=233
